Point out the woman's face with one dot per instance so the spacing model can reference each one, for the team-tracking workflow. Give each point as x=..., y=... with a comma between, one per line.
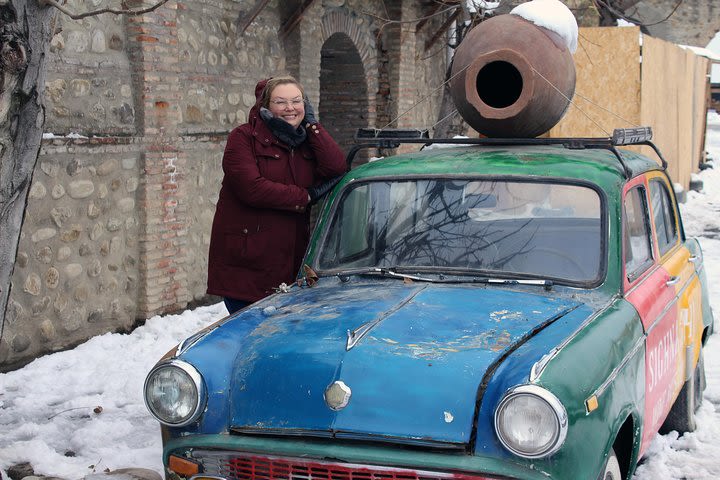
x=286, y=102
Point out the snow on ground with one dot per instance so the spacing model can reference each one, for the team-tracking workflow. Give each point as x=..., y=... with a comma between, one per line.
x=47, y=409
x=49, y=413
x=696, y=455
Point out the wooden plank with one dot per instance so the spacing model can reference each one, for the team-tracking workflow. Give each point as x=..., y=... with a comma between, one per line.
x=294, y=19
x=662, y=70
x=244, y=21
x=623, y=83
x=686, y=123
x=607, y=88
x=702, y=93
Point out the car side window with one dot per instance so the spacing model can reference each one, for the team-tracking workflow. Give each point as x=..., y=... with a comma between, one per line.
x=664, y=216
x=350, y=238
x=636, y=233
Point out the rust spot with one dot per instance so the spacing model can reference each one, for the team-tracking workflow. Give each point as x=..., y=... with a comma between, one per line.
x=162, y=104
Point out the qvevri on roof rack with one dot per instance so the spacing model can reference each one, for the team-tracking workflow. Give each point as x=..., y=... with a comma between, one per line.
x=394, y=137
x=511, y=81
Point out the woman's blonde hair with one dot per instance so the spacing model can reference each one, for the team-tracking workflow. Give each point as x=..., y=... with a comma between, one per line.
x=274, y=82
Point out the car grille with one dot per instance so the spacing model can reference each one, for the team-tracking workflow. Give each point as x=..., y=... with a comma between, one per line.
x=251, y=467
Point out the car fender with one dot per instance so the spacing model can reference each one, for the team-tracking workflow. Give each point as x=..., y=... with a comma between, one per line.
x=597, y=372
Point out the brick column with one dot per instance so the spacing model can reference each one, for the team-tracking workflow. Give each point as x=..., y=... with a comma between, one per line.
x=398, y=80
x=406, y=90
x=152, y=43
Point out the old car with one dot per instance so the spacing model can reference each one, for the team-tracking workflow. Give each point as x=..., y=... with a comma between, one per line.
x=508, y=309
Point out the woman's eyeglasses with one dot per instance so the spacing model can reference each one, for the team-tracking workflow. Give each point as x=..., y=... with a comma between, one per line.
x=295, y=102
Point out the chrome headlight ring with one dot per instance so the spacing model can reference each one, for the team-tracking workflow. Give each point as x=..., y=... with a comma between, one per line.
x=531, y=422
x=174, y=393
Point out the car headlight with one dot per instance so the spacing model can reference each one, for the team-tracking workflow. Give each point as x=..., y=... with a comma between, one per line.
x=175, y=393
x=531, y=422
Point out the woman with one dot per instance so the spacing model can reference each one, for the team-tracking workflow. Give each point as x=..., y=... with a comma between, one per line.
x=273, y=166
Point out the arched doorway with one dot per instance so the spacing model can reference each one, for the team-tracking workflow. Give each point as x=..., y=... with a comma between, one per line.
x=343, y=104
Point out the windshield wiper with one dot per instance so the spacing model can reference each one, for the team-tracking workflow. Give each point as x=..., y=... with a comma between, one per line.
x=391, y=272
x=442, y=278
x=547, y=284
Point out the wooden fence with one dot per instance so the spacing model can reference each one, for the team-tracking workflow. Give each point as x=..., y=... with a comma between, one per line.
x=627, y=79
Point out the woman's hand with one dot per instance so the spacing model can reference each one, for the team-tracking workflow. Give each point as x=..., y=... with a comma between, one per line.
x=309, y=113
x=319, y=191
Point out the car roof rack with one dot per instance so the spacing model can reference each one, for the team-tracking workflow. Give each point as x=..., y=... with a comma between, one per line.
x=394, y=137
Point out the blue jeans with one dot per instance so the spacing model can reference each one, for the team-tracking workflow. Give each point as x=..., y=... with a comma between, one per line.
x=234, y=305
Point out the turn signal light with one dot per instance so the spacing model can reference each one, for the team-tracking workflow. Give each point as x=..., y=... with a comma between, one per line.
x=591, y=404
x=183, y=466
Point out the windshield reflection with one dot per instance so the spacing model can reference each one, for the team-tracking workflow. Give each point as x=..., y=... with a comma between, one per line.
x=548, y=230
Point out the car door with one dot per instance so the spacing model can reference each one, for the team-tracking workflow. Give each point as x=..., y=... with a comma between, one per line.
x=652, y=290
x=678, y=261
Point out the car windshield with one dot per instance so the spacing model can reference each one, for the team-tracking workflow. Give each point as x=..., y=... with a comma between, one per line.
x=547, y=230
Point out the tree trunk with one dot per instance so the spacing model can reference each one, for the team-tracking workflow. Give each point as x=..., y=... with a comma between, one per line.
x=24, y=40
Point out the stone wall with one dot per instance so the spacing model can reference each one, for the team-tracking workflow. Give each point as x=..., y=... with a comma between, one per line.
x=123, y=195
x=203, y=185
x=77, y=264
x=89, y=86
x=693, y=23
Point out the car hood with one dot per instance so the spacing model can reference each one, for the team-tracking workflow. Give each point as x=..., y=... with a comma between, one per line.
x=414, y=366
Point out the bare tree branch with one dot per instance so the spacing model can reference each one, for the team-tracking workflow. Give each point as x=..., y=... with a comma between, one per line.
x=414, y=20
x=79, y=16
x=619, y=12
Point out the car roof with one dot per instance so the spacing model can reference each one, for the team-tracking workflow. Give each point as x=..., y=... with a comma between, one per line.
x=597, y=165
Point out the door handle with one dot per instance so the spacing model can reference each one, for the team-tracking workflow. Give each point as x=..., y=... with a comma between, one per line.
x=672, y=281
x=693, y=259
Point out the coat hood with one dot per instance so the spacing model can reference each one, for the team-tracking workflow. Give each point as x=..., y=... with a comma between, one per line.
x=254, y=114
x=412, y=356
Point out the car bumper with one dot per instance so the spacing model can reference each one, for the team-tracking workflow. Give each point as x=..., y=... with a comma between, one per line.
x=251, y=458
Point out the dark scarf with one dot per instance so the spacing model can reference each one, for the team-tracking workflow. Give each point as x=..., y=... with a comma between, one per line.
x=285, y=132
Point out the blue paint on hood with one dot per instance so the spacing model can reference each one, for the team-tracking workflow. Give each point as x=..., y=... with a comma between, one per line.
x=414, y=376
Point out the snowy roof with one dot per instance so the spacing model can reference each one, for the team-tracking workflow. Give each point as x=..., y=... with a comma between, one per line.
x=703, y=52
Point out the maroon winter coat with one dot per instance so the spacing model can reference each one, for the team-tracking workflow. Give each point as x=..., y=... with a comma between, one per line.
x=261, y=225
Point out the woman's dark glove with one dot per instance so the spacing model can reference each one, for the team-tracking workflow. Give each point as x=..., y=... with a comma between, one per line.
x=309, y=113
x=316, y=193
